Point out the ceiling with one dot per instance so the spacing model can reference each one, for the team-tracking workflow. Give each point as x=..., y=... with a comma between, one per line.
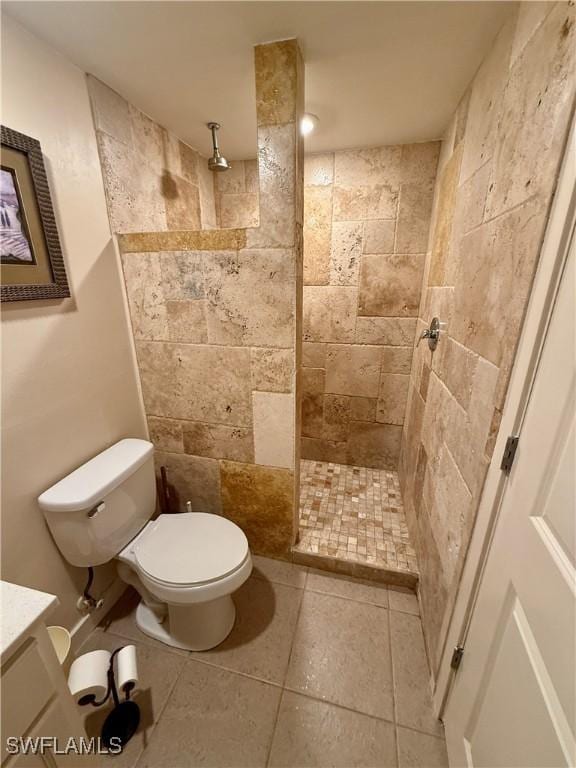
x=376, y=72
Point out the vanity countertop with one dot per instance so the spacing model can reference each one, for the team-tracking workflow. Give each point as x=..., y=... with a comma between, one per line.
x=20, y=608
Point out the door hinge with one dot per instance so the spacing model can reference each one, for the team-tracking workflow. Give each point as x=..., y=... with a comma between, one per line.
x=457, y=654
x=509, y=453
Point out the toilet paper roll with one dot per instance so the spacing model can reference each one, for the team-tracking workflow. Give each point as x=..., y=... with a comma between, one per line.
x=126, y=669
x=88, y=678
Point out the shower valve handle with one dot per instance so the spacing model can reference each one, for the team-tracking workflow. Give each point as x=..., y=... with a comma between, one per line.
x=432, y=334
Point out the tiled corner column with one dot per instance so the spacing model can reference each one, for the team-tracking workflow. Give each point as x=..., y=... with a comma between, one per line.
x=497, y=174
x=214, y=315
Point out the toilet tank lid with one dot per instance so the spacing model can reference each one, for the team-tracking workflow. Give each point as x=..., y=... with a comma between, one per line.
x=88, y=484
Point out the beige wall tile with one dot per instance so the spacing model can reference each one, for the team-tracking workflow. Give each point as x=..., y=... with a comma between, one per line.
x=313, y=354
x=191, y=478
x=373, y=445
x=166, y=434
x=345, y=252
x=189, y=161
x=319, y=169
x=260, y=500
x=313, y=381
x=494, y=280
x=419, y=161
x=392, y=398
x=147, y=138
x=414, y=211
x=132, y=188
x=312, y=415
x=380, y=165
x=144, y=287
x=363, y=408
x=446, y=204
x=390, y=285
x=336, y=417
x=239, y=210
x=357, y=203
x=217, y=441
x=251, y=176
x=111, y=113
x=182, y=205
x=273, y=420
x=538, y=100
x=353, y=370
x=317, y=233
x=231, y=278
x=450, y=516
x=391, y=331
x=396, y=359
x=276, y=83
x=324, y=450
x=379, y=236
x=175, y=383
x=329, y=313
x=272, y=370
x=182, y=275
x=187, y=321
x=232, y=181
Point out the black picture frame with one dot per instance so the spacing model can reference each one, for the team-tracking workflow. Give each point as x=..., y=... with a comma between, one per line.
x=56, y=286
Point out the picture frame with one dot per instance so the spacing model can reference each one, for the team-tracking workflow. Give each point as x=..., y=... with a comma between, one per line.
x=31, y=262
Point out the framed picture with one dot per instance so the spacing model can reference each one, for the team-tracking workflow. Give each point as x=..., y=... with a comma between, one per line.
x=31, y=263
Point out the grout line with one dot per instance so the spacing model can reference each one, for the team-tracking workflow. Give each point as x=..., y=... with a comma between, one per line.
x=393, y=679
x=273, y=734
x=308, y=695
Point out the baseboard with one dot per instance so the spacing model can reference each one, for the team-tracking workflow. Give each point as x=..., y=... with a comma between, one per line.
x=86, y=625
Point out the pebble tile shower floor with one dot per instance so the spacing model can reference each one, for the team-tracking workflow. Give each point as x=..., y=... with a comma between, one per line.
x=319, y=671
x=354, y=514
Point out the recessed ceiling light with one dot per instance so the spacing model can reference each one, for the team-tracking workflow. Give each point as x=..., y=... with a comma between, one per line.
x=308, y=123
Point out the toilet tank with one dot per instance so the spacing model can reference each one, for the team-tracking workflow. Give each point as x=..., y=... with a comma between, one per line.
x=95, y=511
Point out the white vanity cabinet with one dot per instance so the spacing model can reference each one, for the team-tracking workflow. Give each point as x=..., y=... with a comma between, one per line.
x=36, y=701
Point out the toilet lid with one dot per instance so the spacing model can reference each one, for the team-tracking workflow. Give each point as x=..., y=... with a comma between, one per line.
x=191, y=548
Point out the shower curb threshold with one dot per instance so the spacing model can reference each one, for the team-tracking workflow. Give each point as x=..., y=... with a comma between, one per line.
x=356, y=569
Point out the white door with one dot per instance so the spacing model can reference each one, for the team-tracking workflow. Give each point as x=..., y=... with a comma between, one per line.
x=513, y=700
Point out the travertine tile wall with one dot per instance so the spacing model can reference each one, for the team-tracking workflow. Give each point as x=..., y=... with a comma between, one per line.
x=366, y=221
x=236, y=191
x=215, y=320
x=497, y=174
x=152, y=180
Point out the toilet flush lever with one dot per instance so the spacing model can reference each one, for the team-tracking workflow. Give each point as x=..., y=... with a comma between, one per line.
x=98, y=508
x=432, y=334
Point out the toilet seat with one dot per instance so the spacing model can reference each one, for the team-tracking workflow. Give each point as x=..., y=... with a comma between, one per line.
x=190, y=549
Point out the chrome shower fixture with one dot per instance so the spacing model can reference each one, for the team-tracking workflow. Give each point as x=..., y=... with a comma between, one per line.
x=216, y=162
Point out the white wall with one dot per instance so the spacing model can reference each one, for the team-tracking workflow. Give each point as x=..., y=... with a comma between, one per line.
x=69, y=385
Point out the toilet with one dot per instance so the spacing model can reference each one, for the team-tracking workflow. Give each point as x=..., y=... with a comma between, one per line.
x=185, y=566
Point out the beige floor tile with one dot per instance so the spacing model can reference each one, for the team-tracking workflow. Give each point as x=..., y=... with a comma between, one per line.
x=260, y=642
x=121, y=620
x=418, y=750
x=314, y=733
x=279, y=571
x=411, y=674
x=343, y=586
x=403, y=600
x=214, y=718
x=158, y=672
x=341, y=654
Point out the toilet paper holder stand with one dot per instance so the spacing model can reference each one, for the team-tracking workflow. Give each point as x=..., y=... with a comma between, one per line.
x=122, y=722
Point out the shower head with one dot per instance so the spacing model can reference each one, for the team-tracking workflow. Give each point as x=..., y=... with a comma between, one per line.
x=216, y=162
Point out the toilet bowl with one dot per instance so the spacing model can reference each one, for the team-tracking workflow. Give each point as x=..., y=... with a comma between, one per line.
x=186, y=567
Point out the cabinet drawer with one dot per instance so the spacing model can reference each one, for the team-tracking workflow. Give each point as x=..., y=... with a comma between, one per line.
x=27, y=686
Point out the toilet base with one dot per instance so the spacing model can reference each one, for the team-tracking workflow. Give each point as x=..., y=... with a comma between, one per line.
x=193, y=627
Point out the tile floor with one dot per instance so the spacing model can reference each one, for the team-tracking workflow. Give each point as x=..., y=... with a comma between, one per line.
x=354, y=514
x=319, y=670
